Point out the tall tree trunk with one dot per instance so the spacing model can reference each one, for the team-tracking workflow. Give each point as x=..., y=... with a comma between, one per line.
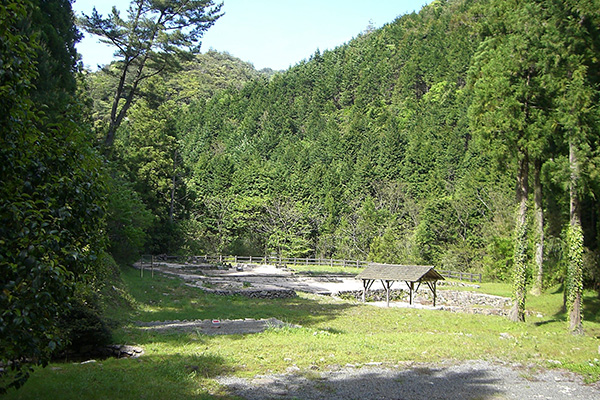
x=173, y=187
x=574, y=285
x=517, y=313
x=539, y=228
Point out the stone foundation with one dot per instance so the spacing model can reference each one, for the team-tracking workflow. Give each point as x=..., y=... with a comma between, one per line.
x=253, y=293
x=449, y=300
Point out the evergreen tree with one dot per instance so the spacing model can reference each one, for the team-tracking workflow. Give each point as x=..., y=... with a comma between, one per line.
x=577, y=39
x=155, y=36
x=510, y=107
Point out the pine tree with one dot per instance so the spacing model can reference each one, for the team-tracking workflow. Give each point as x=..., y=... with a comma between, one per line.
x=154, y=38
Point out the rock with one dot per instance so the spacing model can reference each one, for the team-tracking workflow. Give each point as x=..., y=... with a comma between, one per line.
x=124, y=351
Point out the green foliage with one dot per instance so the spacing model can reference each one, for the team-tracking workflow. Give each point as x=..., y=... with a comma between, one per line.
x=520, y=275
x=402, y=145
x=127, y=220
x=499, y=259
x=156, y=36
x=574, y=279
x=52, y=192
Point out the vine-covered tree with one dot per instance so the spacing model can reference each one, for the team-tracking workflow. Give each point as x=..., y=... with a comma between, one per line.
x=576, y=36
x=510, y=109
x=155, y=37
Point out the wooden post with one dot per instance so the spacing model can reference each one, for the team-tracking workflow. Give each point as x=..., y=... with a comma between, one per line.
x=364, y=290
x=387, y=285
x=367, y=283
x=387, y=292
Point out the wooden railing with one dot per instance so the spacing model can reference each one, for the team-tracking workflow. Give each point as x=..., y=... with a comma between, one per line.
x=150, y=261
x=463, y=276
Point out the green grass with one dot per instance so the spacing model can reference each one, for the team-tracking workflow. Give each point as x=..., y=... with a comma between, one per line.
x=333, y=332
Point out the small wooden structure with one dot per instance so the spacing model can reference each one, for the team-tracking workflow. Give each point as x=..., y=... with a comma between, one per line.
x=410, y=274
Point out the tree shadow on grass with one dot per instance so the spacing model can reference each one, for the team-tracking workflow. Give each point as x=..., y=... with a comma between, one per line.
x=590, y=307
x=414, y=383
x=161, y=376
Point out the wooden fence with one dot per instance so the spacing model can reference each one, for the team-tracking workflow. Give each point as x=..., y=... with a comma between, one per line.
x=149, y=260
x=463, y=276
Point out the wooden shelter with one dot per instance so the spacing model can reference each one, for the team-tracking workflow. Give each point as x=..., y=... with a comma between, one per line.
x=410, y=274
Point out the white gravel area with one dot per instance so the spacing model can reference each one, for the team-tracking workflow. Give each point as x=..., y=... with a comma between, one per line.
x=472, y=380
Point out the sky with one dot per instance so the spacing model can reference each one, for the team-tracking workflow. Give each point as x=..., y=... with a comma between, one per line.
x=274, y=34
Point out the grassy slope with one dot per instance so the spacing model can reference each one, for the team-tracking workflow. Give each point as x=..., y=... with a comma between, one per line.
x=334, y=332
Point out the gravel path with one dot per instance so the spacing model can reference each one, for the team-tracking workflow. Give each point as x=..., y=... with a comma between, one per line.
x=479, y=380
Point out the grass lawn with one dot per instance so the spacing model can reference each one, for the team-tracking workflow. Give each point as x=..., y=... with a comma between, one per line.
x=333, y=332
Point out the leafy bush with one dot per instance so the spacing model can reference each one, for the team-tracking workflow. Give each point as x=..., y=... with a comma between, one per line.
x=127, y=222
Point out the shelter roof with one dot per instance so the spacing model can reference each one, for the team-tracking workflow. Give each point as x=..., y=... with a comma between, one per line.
x=407, y=273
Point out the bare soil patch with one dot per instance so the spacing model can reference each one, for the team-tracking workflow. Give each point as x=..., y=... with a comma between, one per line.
x=215, y=327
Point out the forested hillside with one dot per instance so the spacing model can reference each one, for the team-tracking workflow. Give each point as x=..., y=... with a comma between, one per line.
x=463, y=136
x=381, y=149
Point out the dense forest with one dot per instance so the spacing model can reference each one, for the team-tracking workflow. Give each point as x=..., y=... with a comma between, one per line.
x=463, y=136
x=387, y=148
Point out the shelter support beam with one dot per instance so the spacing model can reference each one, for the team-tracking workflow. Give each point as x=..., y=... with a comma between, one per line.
x=387, y=285
x=367, y=283
x=433, y=287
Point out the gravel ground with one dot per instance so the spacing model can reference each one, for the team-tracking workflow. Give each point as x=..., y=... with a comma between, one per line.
x=215, y=327
x=479, y=380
